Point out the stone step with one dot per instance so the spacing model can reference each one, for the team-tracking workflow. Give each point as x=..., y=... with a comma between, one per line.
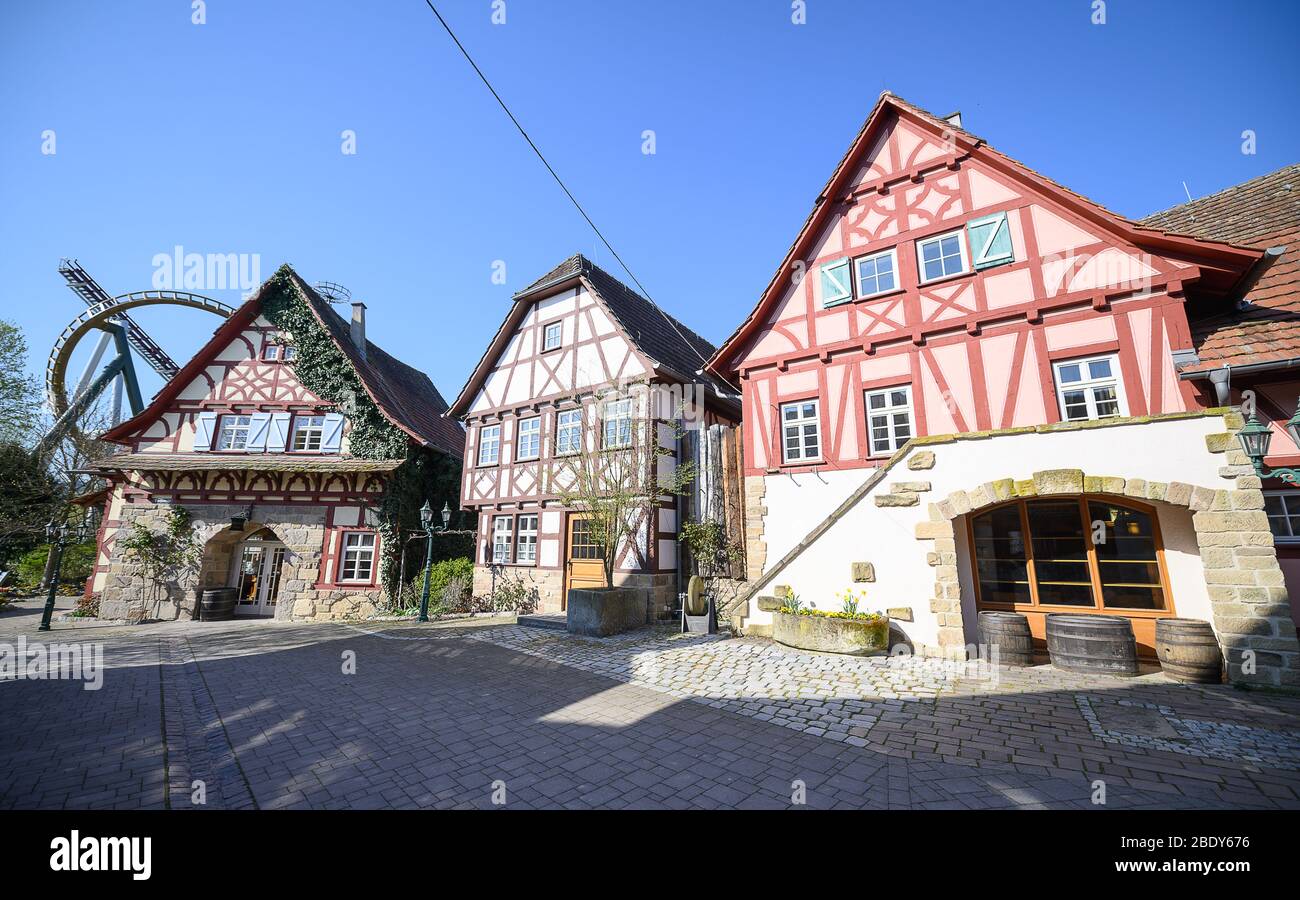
x=551, y=622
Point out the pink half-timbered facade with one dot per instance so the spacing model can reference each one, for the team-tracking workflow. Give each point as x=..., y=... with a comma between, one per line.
x=938, y=292
x=283, y=511
x=580, y=363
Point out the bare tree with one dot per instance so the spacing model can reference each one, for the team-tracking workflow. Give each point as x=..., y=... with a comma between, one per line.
x=624, y=464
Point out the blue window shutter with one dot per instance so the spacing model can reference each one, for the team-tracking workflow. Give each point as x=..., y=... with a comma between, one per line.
x=990, y=241
x=258, y=425
x=835, y=282
x=332, y=437
x=277, y=439
x=204, y=426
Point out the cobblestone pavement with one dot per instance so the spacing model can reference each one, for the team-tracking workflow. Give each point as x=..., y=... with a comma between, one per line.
x=392, y=715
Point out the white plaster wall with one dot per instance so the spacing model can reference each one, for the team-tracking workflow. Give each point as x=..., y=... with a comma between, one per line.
x=1163, y=450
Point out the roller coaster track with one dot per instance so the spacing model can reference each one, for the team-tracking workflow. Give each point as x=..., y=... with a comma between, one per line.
x=109, y=315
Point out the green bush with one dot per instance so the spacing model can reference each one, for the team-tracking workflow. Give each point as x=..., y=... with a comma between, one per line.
x=441, y=574
x=78, y=562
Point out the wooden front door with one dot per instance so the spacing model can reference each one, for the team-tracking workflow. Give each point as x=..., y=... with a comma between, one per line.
x=584, y=565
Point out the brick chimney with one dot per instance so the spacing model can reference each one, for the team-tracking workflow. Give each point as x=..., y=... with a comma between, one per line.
x=359, y=327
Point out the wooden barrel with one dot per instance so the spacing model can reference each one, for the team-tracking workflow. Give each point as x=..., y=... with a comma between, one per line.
x=1009, y=633
x=1098, y=645
x=217, y=605
x=1189, y=651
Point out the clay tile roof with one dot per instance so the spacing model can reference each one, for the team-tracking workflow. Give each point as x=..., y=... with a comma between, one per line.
x=404, y=394
x=1263, y=212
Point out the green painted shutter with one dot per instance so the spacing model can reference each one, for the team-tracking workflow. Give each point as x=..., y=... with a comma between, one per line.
x=835, y=282
x=990, y=241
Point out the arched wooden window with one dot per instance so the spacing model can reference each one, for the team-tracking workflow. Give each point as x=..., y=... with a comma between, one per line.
x=1070, y=554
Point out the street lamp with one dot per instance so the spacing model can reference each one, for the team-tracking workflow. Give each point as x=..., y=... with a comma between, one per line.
x=426, y=519
x=1255, y=438
x=56, y=533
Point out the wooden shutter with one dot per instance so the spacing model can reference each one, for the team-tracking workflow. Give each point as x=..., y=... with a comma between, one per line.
x=332, y=437
x=990, y=241
x=835, y=282
x=258, y=425
x=277, y=439
x=205, y=426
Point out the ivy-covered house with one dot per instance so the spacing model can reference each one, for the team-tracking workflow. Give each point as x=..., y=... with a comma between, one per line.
x=284, y=458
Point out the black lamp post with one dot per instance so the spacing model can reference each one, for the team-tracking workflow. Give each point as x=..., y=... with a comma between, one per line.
x=426, y=519
x=56, y=533
x=1255, y=438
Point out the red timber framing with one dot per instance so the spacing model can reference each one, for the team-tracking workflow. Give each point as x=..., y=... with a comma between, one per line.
x=977, y=346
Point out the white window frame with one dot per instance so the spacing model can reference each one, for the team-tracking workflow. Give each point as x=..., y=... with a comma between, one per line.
x=489, y=436
x=271, y=353
x=307, y=425
x=502, y=540
x=289, y=353
x=613, y=413
x=1088, y=386
x=534, y=436
x=890, y=410
x=546, y=335
x=568, y=434
x=356, y=554
x=892, y=253
x=233, y=424
x=526, y=539
x=801, y=423
x=960, y=234
x=1290, y=501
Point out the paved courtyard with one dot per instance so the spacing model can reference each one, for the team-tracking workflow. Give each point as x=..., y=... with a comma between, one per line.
x=462, y=714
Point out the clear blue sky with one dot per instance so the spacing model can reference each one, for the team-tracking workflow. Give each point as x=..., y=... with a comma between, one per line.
x=225, y=137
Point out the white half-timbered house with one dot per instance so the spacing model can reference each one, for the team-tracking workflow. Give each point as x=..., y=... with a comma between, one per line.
x=581, y=361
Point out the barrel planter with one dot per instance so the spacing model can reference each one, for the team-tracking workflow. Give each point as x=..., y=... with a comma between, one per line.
x=1094, y=645
x=217, y=605
x=1189, y=651
x=825, y=634
x=1009, y=633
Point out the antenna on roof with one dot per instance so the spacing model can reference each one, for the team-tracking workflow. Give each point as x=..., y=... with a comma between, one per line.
x=333, y=292
x=1187, y=192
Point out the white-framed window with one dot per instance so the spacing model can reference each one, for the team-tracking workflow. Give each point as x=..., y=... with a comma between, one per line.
x=489, y=445
x=568, y=431
x=941, y=256
x=502, y=534
x=234, y=432
x=271, y=353
x=616, y=419
x=1089, y=388
x=552, y=335
x=308, y=432
x=1283, y=509
x=357, y=562
x=877, y=273
x=530, y=438
x=288, y=353
x=889, y=419
x=800, y=431
x=526, y=537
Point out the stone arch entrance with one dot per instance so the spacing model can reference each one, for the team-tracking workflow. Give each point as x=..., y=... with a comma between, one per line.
x=253, y=560
x=1247, y=599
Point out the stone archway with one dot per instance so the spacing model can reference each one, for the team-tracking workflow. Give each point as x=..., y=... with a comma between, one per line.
x=1250, y=610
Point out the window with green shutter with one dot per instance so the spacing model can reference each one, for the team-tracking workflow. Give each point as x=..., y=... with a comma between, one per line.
x=990, y=241
x=835, y=282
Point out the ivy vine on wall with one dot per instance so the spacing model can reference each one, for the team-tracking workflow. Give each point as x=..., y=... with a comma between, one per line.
x=325, y=371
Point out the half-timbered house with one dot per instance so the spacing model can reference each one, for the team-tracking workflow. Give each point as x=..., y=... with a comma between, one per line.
x=963, y=387
x=580, y=362
x=280, y=502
